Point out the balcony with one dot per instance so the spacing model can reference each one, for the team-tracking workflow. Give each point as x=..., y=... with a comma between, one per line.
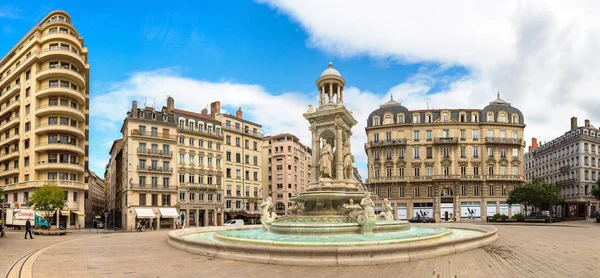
x=58, y=73
x=155, y=187
x=9, y=171
x=57, y=53
x=202, y=132
x=46, y=128
x=386, y=179
x=58, y=36
x=387, y=143
x=257, y=134
x=73, y=167
x=36, y=184
x=75, y=113
x=504, y=177
x=60, y=146
x=12, y=121
x=11, y=138
x=154, y=152
x=47, y=91
x=11, y=105
x=155, y=169
x=445, y=140
x=203, y=186
x=11, y=91
x=24, y=64
x=446, y=177
x=567, y=182
x=158, y=136
x=564, y=169
x=12, y=153
x=504, y=141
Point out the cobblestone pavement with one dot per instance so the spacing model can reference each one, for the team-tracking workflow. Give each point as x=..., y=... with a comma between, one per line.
x=568, y=250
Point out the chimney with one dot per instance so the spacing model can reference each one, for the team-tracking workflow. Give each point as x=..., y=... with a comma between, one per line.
x=134, y=108
x=534, y=144
x=587, y=123
x=215, y=108
x=573, y=123
x=238, y=114
x=170, y=105
x=204, y=111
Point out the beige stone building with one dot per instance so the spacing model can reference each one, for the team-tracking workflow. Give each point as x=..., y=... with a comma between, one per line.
x=437, y=162
x=142, y=172
x=286, y=168
x=242, y=148
x=571, y=162
x=200, y=168
x=94, y=200
x=44, y=113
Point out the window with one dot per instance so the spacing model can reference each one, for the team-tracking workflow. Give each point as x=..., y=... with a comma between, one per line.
x=445, y=117
x=388, y=137
x=463, y=152
x=503, y=189
x=376, y=121
x=463, y=190
x=166, y=199
x=387, y=120
x=490, y=152
x=475, y=135
x=417, y=152
x=389, y=191
x=416, y=136
x=417, y=172
x=463, y=170
x=376, y=137
x=491, y=190
x=476, y=190
x=429, y=171
x=475, y=151
x=502, y=133
x=428, y=136
x=490, y=117
x=476, y=170
x=491, y=170
x=515, y=134
x=502, y=118
x=515, y=170
x=429, y=152
x=515, y=152
x=416, y=119
x=490, y=133
x=417, y=192
x=446, y=151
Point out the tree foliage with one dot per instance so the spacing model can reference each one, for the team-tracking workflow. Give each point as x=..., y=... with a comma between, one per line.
x=48, y=198
x=596, y=190
x=537, y=194
x=1, y=196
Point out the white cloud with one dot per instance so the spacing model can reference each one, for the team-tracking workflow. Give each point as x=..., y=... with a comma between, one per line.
x=541, y=55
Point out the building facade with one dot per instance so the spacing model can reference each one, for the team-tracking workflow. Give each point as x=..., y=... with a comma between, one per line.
x=571, y=162
x=446, y=163
x=94, y=201
x=44, y=114
x=242, y=149
x=286, y=166
x=200, y=170
x=142, y=170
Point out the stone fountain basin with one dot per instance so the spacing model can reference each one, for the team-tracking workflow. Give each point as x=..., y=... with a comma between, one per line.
x=327, y=228
x=324, y=254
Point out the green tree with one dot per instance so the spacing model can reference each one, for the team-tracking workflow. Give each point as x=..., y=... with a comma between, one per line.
x=48, y=199
x=595, y=190
x=524, y=195
x=535, y=194
x=1, y=196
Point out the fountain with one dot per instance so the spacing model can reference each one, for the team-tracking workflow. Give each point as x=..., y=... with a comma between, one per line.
x=334, y=221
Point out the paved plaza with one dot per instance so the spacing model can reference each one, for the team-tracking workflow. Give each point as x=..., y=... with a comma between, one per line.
x=568, y=249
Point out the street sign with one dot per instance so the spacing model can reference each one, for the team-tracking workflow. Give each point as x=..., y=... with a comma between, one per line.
x=106, y=214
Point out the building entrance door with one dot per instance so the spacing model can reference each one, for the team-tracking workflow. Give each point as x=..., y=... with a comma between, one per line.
x=447, y=204
x=201, y=217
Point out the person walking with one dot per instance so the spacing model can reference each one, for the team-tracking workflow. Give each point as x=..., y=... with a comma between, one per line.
x=28, y=229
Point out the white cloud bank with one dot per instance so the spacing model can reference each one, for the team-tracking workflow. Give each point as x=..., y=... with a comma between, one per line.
x=541, y=55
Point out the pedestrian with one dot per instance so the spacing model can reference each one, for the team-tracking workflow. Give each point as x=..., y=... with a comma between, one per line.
x=28, y=229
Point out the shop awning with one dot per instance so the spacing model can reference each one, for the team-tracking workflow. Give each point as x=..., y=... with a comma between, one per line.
x=168, y=213
x=77, y=212
x=144, y=213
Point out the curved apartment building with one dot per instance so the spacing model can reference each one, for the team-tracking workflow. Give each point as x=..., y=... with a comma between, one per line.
x=44, y=114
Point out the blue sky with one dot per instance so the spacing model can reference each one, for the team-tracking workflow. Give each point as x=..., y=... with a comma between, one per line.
x=266, y=56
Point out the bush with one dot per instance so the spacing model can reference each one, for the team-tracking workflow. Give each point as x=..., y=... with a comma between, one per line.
x=497, y=216
x=518, y=216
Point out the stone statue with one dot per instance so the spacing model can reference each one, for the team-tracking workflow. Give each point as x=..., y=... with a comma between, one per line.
x=310, y=109
x=348, y=160
x=296, y=207
x=363, y=213
x=388, y=213
x=325, y=162
x=266, y=217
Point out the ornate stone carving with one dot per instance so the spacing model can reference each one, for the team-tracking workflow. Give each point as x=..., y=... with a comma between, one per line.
x=348, y=160
x=267, y=217
x=310, y=109
x=296, y=207
x=388, y=214
x=364, y=214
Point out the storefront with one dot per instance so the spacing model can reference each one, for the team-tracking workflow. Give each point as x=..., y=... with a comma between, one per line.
x=145, y=215
x=423, y=210
x=168, y=217
x=470, y=210
x=401, y=212
x=575, y=211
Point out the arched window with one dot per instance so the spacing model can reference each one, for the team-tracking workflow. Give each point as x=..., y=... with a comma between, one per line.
x=400, y=118
x=376, y=121
x=445, y=118
x=280, y=206
x=502, y=118
x=387, y=120
x=515, y=119
x=490, y=117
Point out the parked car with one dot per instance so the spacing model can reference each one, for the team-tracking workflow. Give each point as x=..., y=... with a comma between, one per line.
x=234, y=222
x=421, y=220
x=98, y=224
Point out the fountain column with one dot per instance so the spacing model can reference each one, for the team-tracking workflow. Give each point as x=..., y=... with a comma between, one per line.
x=339, y=151
x=316, y=155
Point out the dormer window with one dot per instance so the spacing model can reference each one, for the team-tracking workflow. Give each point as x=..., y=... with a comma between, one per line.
x=387, y=120
x=463, y=118
x=474, y=118
x=400, y=119
x=445, y=118
x=490, y=117
x=502, y=118
x=416, y=119
x=376, y=121
x=428, y=118
x=515, y=119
